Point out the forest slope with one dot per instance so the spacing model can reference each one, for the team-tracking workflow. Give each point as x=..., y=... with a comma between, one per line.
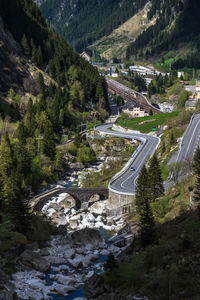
x=83, y=22
x=115, y=44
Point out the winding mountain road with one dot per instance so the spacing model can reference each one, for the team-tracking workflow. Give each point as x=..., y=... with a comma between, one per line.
x=124, y=181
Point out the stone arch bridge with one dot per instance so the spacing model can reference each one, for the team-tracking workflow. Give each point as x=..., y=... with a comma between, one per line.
x=81, y=196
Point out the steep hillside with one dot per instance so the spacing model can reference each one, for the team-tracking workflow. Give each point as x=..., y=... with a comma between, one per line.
x=176, y=28
x=115, y=44
x=46, y=92
x=81, y=22
x=81, y=82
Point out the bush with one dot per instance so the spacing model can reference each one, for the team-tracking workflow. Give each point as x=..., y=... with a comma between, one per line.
x=86, y=155
x=111, y=263
x=161, y=207
x=11, y=239
x=73, y=150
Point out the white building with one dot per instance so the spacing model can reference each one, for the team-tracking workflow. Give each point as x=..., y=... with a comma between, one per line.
x=85, y=56
x=134, y=111
x=114, y=75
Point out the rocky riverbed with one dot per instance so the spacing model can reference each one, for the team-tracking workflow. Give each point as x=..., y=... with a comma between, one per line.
x=64, y=264
x=60, y=269
x=61, y=211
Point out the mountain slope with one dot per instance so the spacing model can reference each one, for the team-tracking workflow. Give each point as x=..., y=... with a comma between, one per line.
x=81, y=22
x=177, y=27
x=48, y=51
x=115, y=44
x=47, y=91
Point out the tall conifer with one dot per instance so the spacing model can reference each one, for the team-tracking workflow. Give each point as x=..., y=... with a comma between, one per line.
x=155, y=177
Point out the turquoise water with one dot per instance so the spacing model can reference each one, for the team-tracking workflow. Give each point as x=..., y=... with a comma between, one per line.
x=79, y=293
x=73, y=295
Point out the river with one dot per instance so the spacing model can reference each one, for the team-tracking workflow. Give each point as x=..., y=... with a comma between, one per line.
x=71, y=264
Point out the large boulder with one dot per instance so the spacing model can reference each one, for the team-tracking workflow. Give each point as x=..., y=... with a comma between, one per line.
x=65, y=280
x=62, y=289
x=31, y=260
x=87, y=237
x=94, y=287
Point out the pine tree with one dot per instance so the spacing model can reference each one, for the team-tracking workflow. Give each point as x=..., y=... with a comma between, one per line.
x=171, y=139
x=142, y=193
x=12, y=186
x=163, y=149
x=33, y=52
x=147, y=226
x=25, y=46
x=49, y=147
x=16, y=205
x=39, y=60
x=21, y=132
x=41, y=83
x=155, y=177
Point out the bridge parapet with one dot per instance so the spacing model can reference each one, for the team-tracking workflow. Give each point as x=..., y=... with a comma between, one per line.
x=81, y=196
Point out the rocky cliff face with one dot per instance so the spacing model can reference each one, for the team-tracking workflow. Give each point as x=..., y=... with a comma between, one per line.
x=13, y=65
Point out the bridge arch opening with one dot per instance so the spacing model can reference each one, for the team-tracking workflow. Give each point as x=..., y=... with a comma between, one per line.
x=75, y=202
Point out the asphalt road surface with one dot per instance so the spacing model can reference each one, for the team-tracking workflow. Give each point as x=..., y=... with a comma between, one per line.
x=190, y=140
x=124, y=182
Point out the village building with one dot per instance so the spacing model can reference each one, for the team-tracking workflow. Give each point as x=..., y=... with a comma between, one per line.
x=85, y=56
x=115, y=75
x=180, y=74
x=198, y=85
x=134, y=111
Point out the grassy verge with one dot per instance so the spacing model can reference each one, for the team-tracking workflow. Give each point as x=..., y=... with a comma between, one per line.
x=146, y=124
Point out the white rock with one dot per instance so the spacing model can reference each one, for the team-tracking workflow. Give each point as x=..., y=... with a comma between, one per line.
x=50, y=212
x=31, y=294
x=99, y=219
x=79, y=251
x=52, y=259
x=60, y=268
x=104, y=252
x=99, y=224
x=75, y=263
x=113, y=249
x=73, y=211
x=92, y=256
x=79, y=278
x=65, y=280
x=61, y=289
x=75, y=217
x=69, y=253
x=61, y=197
x=73, y=224
x=36, y=284
x=90, y=274
x=90, y=217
